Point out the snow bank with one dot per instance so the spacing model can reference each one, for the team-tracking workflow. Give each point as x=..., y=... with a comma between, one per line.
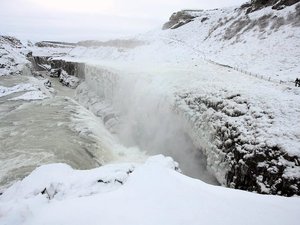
x=17, y=88
x=264, y=43
x=150, y=193
x=68, y=80
x=12, y=56
x=32, y=95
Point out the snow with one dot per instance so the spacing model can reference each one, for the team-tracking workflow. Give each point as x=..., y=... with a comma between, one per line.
x=209, y=80
x=149, y=193
x=12, y=56
x=185, y=92
x=32, y=95
x=259, y=51
x=68, y=80
x=17, y=88
x=253, y=49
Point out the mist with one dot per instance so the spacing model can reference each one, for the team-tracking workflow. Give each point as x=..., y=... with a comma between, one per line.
x=145, y=117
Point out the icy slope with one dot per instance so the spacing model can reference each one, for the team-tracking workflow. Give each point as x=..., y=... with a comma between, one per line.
x=249, y=137
x=150, y=193
x=246, y=124
x=12, y=56
x=265, y=42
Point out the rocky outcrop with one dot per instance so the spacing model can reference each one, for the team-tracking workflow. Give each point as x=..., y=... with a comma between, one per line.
x=234, y=136
x=47, y=63
x=183, y=17
x=69, y=74
x=54, y=44
x=232, y=132
x=179, y=19
x=12, y=56
x=255, y=5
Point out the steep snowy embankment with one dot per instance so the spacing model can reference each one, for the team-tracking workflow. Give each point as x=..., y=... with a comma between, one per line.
x=265, y=42
x=12, y=56
x=151, y=193
x=245, y=127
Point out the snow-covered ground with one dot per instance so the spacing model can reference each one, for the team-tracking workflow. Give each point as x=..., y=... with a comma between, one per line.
x=265, y=43
x=12, y=56
x=40, y=127
x=167, y=96
x=149, y=193
x=226, y=77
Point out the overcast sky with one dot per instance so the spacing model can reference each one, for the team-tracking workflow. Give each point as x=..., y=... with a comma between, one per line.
x=73, y=20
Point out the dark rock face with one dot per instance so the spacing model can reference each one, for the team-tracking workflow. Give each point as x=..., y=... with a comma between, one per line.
x=12, y=55
x=54, y=44
x=68, y=73
x=239, y=150
x=72, y=68
x=12, y=41
x=255, y=5
x=237, y=28
x=178, y=19
x=263, y=171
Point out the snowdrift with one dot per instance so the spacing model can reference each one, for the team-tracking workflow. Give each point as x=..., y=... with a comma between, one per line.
x=149, y=193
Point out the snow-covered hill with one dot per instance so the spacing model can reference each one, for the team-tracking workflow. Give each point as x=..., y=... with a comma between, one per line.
x=134, y=194
x=225, y=76
x=265, y=42
x=215, y=94
x=12, y=56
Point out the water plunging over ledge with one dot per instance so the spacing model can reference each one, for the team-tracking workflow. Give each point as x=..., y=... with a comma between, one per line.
x=139, y=112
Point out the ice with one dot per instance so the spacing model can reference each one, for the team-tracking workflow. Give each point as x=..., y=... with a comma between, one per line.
x=32, y=95
x=17, y=88
x=150, y=193
x=200, y=93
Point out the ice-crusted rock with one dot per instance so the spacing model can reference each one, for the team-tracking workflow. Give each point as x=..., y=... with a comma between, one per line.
x=54, y=44
x=69, y=73
x=68, y=80
x=180, y=18
x=12, y=56
x=59, y=181
x=47, y=63
x=234, y=136
x=255, y=5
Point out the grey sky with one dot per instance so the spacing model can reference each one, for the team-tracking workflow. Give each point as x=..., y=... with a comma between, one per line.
x=75, y=20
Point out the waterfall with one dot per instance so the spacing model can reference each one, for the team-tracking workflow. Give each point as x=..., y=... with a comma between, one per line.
x=138, y=109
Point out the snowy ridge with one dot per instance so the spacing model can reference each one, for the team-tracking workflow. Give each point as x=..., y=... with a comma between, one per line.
x=182, y=93
x=238, y=137
x=251, y=42
x=236, y=129
x=149, y=193
x=198, y=75
x=12, y=56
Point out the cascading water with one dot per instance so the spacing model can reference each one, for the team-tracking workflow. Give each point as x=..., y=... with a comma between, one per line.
x=53, y=130
x=135, y=108
x=138, y=109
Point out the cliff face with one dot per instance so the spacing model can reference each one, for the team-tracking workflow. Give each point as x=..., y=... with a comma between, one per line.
x=179, y=19
x=255, y=5
x=12, y=56
x=243, y=122
x=236, y=136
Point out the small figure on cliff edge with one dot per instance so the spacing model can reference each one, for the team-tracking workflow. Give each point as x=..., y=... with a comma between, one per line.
x=297, y=82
